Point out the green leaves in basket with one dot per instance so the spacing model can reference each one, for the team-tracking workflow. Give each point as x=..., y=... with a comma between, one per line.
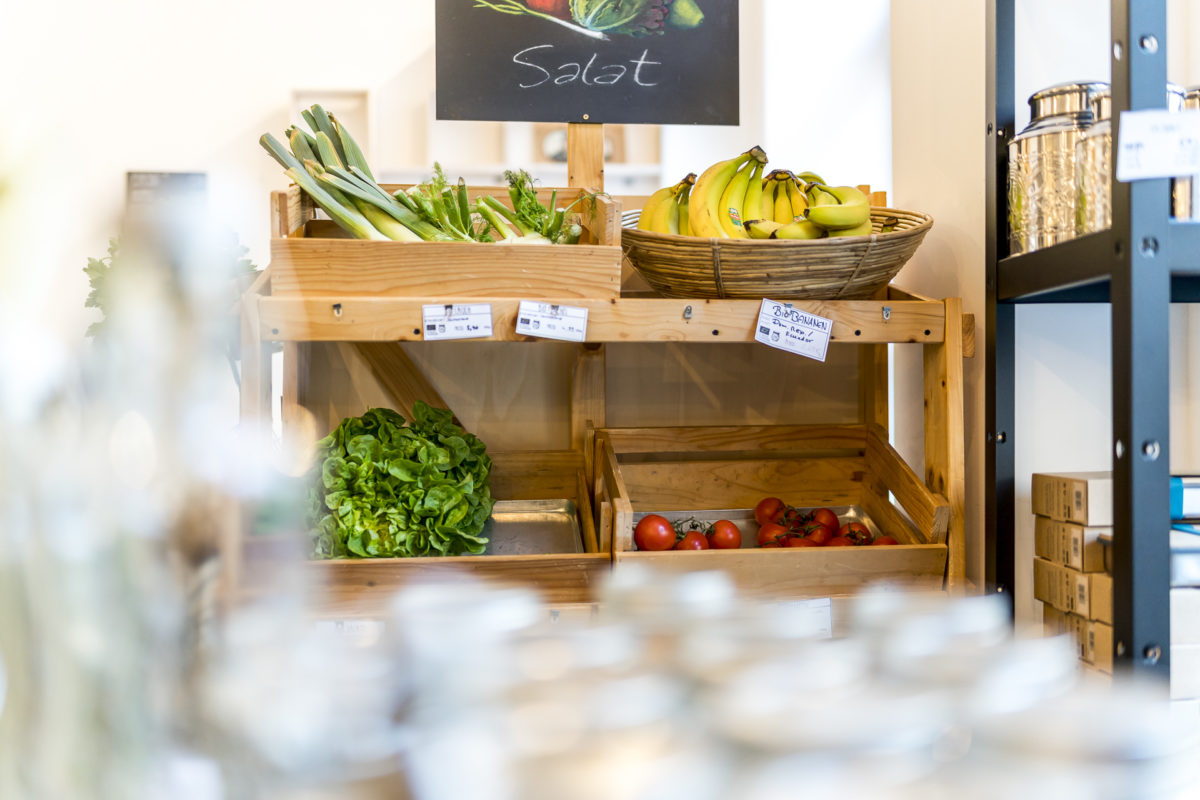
x=382, y=488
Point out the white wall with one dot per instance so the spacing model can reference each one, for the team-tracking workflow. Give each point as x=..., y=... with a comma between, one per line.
x=938, y=120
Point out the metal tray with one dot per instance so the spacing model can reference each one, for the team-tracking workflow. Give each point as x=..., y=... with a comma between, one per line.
x=744, y=519
x=533, y=527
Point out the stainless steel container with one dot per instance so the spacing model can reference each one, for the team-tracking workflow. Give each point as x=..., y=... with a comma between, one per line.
x=1041, y=166
x=1185, y=192
x=1094, y=165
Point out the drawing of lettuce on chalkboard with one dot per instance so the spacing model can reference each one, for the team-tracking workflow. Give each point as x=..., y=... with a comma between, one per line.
x=599, y=18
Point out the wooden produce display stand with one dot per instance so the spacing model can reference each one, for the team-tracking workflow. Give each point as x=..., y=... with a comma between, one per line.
x=353, y=293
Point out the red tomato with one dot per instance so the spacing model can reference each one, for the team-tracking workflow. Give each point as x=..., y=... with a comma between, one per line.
x=769, y=509
x=725, y=536
x=801, y=541
x=769, y=544
x=840, y=541
x=692, y=540
x=771, y=533
x=885, y=540
x=819, y=534
x=826, y=517
x=654, y=532
x=855, y=532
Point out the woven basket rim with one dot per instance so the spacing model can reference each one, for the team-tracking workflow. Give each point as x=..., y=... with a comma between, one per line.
x=923, y=223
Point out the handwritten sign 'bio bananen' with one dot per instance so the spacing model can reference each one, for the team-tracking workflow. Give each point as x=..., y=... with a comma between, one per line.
x=619, y=61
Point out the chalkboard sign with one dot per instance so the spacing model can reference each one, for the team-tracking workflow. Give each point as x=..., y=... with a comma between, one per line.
x=619, y=61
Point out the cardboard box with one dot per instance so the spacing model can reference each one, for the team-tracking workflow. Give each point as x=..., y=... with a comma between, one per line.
x=1071, y=545
x=1185, y=617
x=1059, y=623
x=1099, y=646
x=1185, y=672
x=1081, y=497
x=1087, y=594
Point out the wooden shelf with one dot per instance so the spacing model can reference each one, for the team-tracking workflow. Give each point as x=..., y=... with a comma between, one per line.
x=333, y=318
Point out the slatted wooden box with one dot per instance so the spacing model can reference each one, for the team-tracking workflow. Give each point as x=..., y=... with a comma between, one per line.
x=362, y=587
x=692, y=469
x=314, y=257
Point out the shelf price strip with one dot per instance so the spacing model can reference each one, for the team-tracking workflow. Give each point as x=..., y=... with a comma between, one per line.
x=784, y=327
x=442, y=322
x=1156, y=143
x=552, y=321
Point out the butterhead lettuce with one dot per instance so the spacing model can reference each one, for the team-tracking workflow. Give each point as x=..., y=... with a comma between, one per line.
x=381, y=488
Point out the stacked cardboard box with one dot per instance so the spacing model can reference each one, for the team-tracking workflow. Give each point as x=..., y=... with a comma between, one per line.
x=1072, y=510
x=1072, y=577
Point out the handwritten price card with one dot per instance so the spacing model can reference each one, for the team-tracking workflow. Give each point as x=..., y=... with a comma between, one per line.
x=784, y=327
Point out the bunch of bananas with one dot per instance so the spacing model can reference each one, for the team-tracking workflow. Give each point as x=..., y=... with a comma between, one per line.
x=733, y=199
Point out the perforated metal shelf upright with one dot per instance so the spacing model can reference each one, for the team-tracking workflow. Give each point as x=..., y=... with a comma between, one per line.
x=1142, y=264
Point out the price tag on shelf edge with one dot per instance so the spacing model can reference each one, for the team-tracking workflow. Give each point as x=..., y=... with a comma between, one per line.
x=450, y=321
x=551, y=321
x=1157, y=143
x=786, y=328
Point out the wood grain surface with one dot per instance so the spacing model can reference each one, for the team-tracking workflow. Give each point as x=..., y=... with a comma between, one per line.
x=337, y=316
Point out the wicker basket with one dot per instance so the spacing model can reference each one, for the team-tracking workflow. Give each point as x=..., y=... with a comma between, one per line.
x=819, y=269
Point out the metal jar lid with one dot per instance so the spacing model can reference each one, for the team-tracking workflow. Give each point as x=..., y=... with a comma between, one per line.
x=1064, y=99
x=1191, y=100
x=1101, y=104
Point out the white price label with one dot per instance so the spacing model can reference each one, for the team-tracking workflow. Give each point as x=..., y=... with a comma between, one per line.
x=812, y=617
x=787, y=328
x=449, y=321
x=354, y=631
x=551, y=321
x=1158, y=144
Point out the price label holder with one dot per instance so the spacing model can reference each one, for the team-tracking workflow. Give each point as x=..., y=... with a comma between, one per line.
x=809, y=617
x=360, y=632
x=784, y=327
x=1157, y=143
x=551, y=321
x=456, y=321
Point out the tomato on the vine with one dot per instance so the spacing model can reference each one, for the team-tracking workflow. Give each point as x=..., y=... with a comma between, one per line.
x=725, y=535
x=821, y=534
x=840, y=541
x=884, y=540
x=692, y=540
x=826, y=516
x=856, y=532
x=802, y=541
x=654, y=532
x=769, y=509
x=771, y=534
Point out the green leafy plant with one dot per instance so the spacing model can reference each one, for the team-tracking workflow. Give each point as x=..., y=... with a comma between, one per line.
x=382, y=488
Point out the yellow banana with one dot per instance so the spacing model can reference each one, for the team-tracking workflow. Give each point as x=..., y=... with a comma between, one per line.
x=817, y=196
x=809, y=177
x=850, y=208
x=800, y=229
x=704, y=209
x=666, y=215
x=861, y=230
x=762, y=228
x=682, y=200
x=767, y=209
x=784, y=213
x=651, y=206
x=796, y=196
x=732, y=201
x=752, y=203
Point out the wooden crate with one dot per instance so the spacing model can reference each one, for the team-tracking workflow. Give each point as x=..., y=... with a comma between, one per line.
x=314, y=257
x=362, y=587
x=680, y=469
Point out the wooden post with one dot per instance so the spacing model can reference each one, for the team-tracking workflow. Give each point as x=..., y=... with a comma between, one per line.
x=585, y=156
x=945, y=457
x=587, y=401
x=873, y=380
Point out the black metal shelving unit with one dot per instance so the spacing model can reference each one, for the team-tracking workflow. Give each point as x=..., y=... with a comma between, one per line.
x=1142, y=264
